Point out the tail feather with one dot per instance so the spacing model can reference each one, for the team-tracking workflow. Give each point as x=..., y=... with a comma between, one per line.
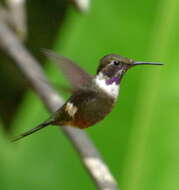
x=31, y=131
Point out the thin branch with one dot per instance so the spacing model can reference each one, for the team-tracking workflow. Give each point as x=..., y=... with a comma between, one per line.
x=17, y=11
x=82, y=5
x=32, y=71
x=4, y=15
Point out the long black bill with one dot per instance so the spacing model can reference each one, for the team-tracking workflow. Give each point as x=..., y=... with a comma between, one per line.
x=146, y=63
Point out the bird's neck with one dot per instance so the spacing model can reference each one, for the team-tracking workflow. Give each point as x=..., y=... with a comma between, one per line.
x=109, y=85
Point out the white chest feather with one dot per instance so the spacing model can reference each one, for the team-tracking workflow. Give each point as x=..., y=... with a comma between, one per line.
x=111, y=89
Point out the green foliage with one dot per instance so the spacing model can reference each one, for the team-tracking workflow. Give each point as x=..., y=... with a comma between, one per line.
x=139, y=139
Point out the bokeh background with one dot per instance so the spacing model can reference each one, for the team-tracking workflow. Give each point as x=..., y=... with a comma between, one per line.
x=139, y=139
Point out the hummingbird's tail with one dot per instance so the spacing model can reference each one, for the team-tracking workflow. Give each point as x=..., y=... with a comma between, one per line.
x=37, y=128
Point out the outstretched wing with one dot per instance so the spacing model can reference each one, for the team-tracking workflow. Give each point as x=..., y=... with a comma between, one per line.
x=75, y=74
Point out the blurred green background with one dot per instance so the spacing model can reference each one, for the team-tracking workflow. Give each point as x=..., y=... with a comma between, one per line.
x=139, y=139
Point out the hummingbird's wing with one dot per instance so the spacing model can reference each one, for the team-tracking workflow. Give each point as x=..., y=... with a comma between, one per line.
x=75, y=74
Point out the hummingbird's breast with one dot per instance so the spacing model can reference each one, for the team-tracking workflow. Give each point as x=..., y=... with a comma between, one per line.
x=85, y=108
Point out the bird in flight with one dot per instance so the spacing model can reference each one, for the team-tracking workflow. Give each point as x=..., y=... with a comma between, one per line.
x=93, y=97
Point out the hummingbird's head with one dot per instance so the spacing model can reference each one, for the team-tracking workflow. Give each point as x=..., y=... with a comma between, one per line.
x=112, y=68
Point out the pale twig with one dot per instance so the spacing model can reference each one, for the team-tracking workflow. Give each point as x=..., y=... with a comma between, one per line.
x=82, y=5
x=17, y=11
x=32, y=71
x=4, y=14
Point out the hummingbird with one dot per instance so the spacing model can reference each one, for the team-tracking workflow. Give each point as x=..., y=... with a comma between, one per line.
x=93, y=97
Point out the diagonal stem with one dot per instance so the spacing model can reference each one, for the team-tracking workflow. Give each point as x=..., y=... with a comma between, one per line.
x=17, y=11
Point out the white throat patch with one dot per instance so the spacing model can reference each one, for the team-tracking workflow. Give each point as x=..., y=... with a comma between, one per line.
x=112, y=89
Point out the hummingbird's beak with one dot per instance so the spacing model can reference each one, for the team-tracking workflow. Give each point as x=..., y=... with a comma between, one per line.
x=146, y=63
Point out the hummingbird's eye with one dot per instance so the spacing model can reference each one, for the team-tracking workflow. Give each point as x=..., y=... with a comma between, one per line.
x=116, y=62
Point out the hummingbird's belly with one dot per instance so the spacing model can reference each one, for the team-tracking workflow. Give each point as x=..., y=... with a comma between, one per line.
x=85, y=108
x=91, y=112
